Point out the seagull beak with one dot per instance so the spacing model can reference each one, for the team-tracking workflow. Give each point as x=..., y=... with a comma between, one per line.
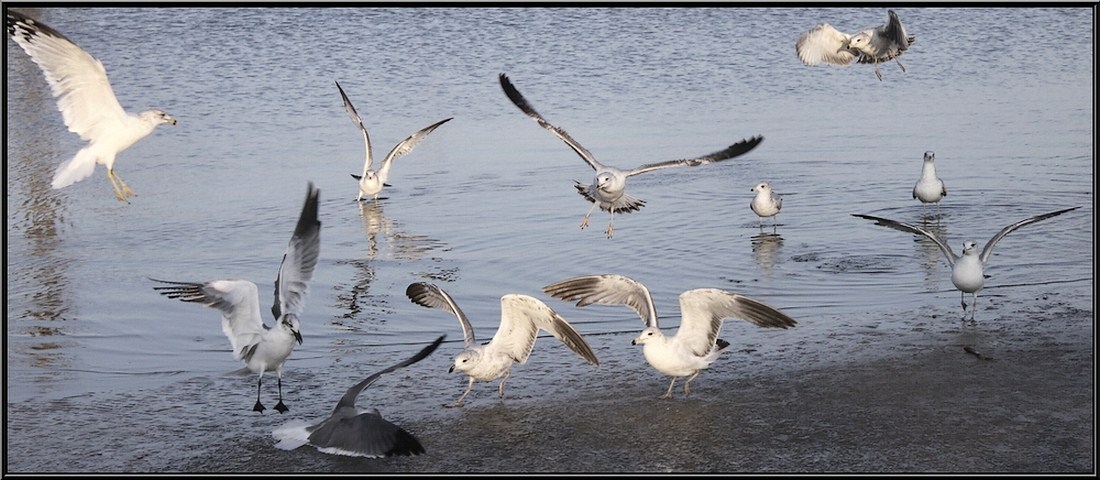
x=634, y=342
x=451, y=370
x=297, y=336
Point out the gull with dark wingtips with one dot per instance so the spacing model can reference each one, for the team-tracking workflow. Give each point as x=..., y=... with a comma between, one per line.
x=825, y=44
x=929, y=188
x=766, y=203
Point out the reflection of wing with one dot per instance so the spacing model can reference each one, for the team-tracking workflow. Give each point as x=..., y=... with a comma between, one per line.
x=735, y=150
x=238, y=300
x=1005, y=231
x=703, y=310
x=431, y=296
x=358, y=121
x=521, y=317
x=607, y=290
x=299, y=260
x=824, y=44
x=406, y=146
x=521, y=102
x=905, y=227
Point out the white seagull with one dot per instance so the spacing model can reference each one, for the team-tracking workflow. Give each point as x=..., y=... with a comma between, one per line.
x=608, y=189
x=356, y=432
x=372, y=181
x=87, y=103
x=825, y=44
x=696, y=344
x=929, y=188
x=521, y=318
x=967, y=271
x=766, y=203
x=260, y=347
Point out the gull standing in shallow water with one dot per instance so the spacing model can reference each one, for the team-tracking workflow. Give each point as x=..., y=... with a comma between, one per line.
x=260, y=347
x=371, y=181
x=608, y=189
x=766, y=203
x=521, y=318
x=354, y=432
x=696, y=344
x=968, y=270
x=929, y=188
x=86, y=100
x=825, y=44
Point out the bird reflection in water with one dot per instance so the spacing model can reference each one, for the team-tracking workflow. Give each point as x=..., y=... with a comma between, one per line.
x=764, y=248
x=930, y=253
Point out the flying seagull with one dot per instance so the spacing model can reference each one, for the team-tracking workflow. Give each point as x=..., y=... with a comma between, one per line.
x=353, y=431
x=825, y=44
x=260, y=347
x=967, y=271
x=372, y=181
x=608, y=189
x=86, y=100
x=696, y=344
x=521, y=318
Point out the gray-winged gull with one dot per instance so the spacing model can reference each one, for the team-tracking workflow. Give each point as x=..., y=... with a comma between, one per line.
x=929, y=188
x=825, y=44
x=766, y=203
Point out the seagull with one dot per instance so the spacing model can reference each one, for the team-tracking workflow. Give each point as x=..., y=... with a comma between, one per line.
x=521, y=318
x=967, y=271
x=355, y=432
x=929, y=189
x=608, y=189
x=825, y=44
x=372, y=181
x=86, y=100
x=260, y=347
x=696, y=344
x=766, y=203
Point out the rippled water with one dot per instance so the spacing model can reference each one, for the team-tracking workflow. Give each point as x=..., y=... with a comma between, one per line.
x=485, y=206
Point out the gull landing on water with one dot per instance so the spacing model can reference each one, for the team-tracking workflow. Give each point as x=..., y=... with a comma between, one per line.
x=521, y=318
x=967, y=271
x=260, y=347
x=608, y=189
x=372, y=181
x=696, y=344
x=825, y=44
x=86, y=101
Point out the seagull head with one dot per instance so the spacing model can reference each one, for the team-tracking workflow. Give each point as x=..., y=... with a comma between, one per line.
x=929, y=156
x=158, y=117
x=764, y=186
x=291, y=323
x=463, y=361
x=970, y=248
x=648, y=334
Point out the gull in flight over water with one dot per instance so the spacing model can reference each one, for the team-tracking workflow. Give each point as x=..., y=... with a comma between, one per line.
x=608, y=189
x=86, y=101
x=766, y=203
x=696, y=344
x=929, y=188
x=521, y=318
x=260, y=347
x=356, y=432
x=825, y=44
x=372, y=181
x=967, y=271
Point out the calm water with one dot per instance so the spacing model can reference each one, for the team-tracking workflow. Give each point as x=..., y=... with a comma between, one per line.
x=485, y=206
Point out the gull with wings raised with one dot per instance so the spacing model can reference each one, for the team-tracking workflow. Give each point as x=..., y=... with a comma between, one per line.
x=825, y=44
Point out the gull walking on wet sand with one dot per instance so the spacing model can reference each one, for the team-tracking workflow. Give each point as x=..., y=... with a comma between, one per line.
x=968, y=270
x=260, y=347
x=86, y=100
x=696, y=344
x=356, y=432
x=608, y=190
x=521, y=318
x=372, y=181
x=929, y=188
x=825, y=44
x=766, y=203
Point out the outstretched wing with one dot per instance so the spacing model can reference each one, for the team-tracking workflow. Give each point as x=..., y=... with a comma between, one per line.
x=704, y=309
x=1005, y=231
x=431, y=296
x=905, y=227
x=406, y=146
x=238, y=300
x=521, y=317
x=824, y=44
x=735, y=150
x=526, y=107
x=348, y=400
x=608, y=290
x=358, y=121
x=299, y=260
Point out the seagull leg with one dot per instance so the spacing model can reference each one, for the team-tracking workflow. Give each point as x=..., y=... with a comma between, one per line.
x=584, y=223
x=878, y=73
x=125, y=190
x=899, y=64
x=458, y=403
x=506, y=375
x=259, y=407
x=687, y=391
x=611, y=225
x=114, y=184
x=280, y=406
x=668, y=394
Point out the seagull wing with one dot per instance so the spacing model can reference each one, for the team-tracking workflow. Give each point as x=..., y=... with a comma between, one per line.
x=348, y=400
x=406, y=146
x=519, y=101
x=299, y=260
x=704, y=309
x=521, y=317
x=238, y=300
x=358, y=121
x=79, y=81
x=608, y=290
x=1005, y=231
x=735, y=150
x=431, y=296
x=887, y=41
x=824, y=44
x=364, y=435
x=905, y=227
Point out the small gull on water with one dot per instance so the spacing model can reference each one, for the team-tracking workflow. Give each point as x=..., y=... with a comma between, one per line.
x=372, y=181
x=929, y=188
x=696, y=344
x=260, y=347
x=521, y=318
x=86, y=101
x=356, y=432
x=825, y=44
x=766, y=203
x=608, y=189
x=967, y=271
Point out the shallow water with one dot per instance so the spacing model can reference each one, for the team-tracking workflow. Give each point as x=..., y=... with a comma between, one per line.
x=485, y=206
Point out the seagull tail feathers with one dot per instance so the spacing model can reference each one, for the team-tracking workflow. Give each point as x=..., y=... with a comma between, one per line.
x=291, y=435
x=75, y=169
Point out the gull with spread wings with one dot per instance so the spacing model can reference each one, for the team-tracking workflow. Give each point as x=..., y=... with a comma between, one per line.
x=825, y=44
